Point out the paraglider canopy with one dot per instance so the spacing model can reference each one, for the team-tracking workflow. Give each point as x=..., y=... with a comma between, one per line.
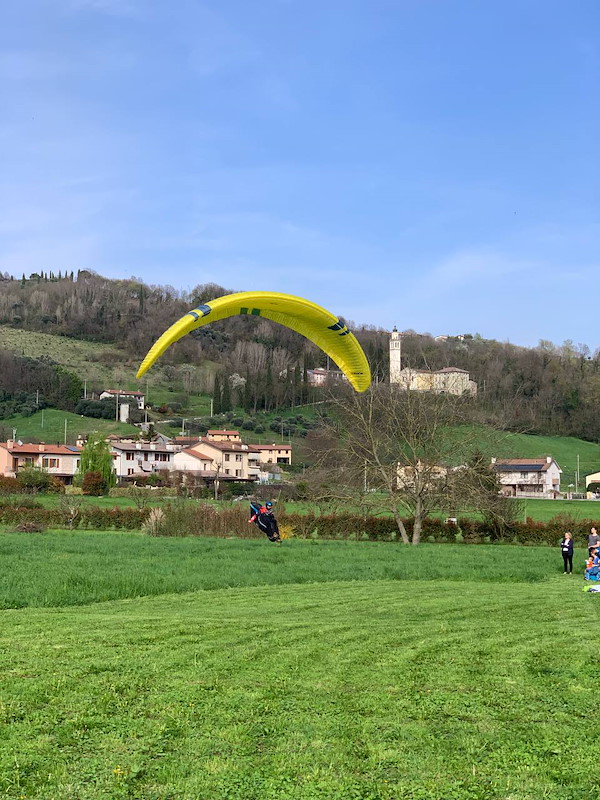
x=324, y=329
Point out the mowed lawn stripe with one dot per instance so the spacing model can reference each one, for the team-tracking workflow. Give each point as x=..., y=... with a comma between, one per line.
x=381, y=689
x=81, y=567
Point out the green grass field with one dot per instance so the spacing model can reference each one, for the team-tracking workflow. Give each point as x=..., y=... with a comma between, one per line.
x=538, y=510
x=329, y=671
x=49, y=426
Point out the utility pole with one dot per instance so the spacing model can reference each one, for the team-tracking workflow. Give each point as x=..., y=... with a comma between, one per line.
x=183, y=419
x=211, y=406
x=37, y=397
x=65, y=431
x=577, y=475
x=85, y=389
x=42, y=417
x=117, y=408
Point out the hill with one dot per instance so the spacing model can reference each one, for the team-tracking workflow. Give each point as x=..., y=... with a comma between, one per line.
x=564, y=449
x=49, y=426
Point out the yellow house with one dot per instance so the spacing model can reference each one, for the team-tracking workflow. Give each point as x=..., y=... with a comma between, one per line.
x=593, y=478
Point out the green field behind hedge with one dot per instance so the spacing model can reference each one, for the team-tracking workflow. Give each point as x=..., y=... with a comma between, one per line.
x=348, y=670
x=538, y=510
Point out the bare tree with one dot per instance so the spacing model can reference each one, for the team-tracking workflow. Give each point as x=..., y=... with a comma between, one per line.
x=402, y=451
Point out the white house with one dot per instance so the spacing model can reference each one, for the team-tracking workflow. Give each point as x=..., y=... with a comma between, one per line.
x=274, y=453
x=131, y=458
x=321, y=377
x=190, y=460
x=124, y=394
x=528, y=477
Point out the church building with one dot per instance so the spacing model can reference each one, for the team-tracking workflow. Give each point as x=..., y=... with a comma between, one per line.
x=449, y=380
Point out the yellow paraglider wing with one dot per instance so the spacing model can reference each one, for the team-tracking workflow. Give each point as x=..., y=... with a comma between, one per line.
x=302, y=316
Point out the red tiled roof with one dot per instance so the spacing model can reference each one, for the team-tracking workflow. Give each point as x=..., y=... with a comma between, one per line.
x=41, y=449
x=272, y=446
x=191, y=452
x=224, y=433
x=124, y=392
x=231, y=447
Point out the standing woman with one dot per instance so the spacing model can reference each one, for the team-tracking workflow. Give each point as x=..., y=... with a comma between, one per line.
x=566, y=547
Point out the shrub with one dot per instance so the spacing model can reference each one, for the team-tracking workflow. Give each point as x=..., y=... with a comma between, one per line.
x=33, y=479
x=10, y=485
x=73, y=490
x=259, y=429
x=94, y=484
x=30, y=527
x=56, y=486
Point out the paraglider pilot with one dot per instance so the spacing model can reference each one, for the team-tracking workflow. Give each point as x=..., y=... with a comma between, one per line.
x=265, y=520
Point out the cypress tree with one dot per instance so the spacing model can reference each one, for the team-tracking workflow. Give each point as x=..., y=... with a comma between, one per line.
x=217, y=408
x=226, y=396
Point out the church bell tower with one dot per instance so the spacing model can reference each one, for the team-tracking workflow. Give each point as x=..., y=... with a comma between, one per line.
x=395, y=355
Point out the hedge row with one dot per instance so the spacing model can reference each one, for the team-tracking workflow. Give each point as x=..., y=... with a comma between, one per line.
x=188, y=518
x=85, y=517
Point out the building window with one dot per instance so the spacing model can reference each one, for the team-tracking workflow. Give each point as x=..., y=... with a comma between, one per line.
x=238, y=457
x=238, y=473
x=50, y=463
x=161, y=456
x=130, y=471
x=226, y=456
x=129, y=457
x=226, y=472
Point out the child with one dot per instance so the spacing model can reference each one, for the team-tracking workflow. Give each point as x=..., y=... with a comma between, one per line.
x=566, y=547
x=592, y=566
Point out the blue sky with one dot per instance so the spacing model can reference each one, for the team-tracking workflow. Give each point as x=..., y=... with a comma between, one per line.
x=427, y=163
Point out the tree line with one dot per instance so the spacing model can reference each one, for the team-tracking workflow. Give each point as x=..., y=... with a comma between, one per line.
x=548, y=389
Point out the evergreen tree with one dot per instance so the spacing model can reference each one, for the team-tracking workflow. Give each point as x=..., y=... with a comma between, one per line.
x=304, y=392
x=226, y=396
x=217, y=407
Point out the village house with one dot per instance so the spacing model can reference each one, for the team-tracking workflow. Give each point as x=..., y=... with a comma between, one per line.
x=231, y=458
x=190, y=460
x=133, y=458
x=60, y=461
x=321, y=377
x=274, y=453
x=223, y=436
x=528, y=477
x=593, y=478
x=124, y=394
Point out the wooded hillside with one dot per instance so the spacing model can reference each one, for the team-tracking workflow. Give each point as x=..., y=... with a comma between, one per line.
x=547, y=389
